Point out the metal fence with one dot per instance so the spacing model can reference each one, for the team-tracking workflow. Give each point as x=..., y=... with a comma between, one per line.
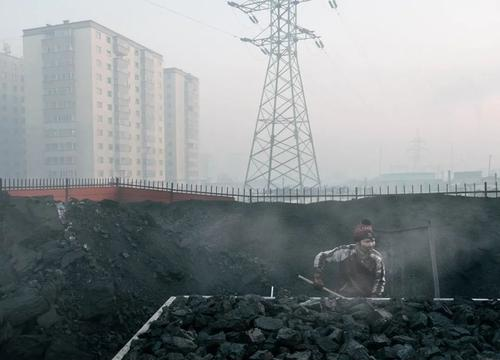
x=287, y=195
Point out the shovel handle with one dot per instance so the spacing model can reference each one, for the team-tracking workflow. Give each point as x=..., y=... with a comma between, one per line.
x=331, y=292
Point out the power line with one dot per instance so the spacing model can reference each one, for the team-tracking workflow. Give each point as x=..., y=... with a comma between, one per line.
x=175, y=12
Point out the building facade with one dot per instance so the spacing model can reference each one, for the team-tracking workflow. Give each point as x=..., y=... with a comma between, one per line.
x=94, y=104
x=12, y=127
x=182, y=112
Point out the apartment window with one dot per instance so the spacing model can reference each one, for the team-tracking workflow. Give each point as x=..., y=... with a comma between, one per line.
x=98, y=34
x=99, y=77
x=110, y=93
x=108, y=39
x=99, y=63
x=99, y=104
x=110, y=120
x=109, y=80
x=99, y=132
x=100, y=146
x=100, y=160
x=110, y=146
x=99, y=91
x=99, y=118
x=109, y=66
x=99, y=49
x=110, y=133
x=108, y=52
x=110, y=107
x=110, y=160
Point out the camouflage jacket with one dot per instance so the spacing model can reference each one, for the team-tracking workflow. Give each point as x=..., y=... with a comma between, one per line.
x=362, y=276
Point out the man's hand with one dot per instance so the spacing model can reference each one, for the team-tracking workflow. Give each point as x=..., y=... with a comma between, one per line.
x=318, y=281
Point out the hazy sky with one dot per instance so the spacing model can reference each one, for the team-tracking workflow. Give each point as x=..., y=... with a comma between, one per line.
x=392, y=69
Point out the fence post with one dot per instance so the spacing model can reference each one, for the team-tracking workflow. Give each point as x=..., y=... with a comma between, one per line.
x=1, y=184
x=485, y=189
x=66, y=190
x=250, y=195
x=356, y=192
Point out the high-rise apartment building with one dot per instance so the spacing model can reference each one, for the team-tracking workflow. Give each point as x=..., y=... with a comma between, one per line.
x=94, y=104
x=12, y=138
x=182, y=112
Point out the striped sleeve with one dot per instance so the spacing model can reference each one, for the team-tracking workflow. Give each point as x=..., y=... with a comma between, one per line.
x=336, y=255
x=379, y=285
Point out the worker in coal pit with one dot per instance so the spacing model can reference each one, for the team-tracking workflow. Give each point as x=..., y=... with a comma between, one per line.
x=360, y=268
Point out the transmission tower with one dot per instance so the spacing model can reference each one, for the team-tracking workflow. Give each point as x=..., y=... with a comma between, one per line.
x=282, y=153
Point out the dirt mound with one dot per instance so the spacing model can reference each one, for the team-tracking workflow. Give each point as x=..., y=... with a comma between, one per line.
x=253, y=328
x=82, y=286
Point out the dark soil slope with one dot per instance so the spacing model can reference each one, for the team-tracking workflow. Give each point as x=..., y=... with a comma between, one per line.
x=79, y=288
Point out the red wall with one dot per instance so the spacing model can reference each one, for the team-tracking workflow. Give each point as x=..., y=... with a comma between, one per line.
x=116, y=193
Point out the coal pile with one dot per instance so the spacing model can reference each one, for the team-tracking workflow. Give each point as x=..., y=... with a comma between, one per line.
x=255, y=328
x=79, y=282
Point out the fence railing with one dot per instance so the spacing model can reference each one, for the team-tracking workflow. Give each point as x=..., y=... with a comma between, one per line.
x=288, y=195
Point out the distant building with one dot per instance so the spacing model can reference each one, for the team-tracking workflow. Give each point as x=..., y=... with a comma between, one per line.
x=182, y=126
x=406, y=178
x=467, y=177
x=94, y=104
x=12, y=127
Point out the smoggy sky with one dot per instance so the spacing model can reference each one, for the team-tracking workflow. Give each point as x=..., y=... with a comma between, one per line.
x=392, y=70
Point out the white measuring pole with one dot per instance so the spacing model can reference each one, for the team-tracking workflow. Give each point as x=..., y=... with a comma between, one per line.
x=124, y=350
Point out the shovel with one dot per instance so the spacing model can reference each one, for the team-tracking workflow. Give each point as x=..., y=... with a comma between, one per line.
x=331, y=292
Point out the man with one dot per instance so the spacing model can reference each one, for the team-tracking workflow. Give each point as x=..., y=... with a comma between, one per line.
x=360, y=267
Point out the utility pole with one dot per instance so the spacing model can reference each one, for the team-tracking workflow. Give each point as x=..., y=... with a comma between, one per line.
x=282, y=153
x=415, y=151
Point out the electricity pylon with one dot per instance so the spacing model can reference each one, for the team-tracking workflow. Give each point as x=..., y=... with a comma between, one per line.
x=282, y=153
